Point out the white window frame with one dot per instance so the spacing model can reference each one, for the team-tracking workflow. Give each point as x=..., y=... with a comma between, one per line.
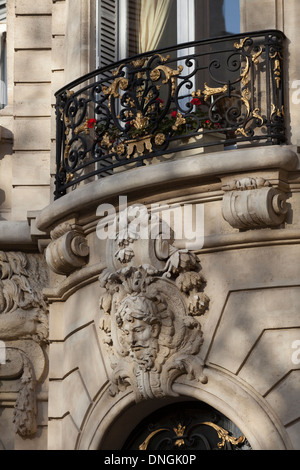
x=185, y=21
x=186, y=30
x=123, y=13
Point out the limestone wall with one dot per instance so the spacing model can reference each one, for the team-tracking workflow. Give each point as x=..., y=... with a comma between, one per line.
x=250, y=202
x=37, y=55
x=31, y=106
x=249, y=326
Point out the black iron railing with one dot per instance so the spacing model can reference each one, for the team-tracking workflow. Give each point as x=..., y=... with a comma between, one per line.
x=224, y=91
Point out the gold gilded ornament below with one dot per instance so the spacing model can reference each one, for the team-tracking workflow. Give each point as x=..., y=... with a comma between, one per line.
x=223, y=435
x=141, y=146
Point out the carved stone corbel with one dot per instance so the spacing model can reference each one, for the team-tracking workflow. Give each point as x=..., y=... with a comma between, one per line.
x=150, y=314
x=250, y=203
x=68, y=249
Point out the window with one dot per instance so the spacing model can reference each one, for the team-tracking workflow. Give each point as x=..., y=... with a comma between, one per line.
x=129, y=27
x=231, y=12
x=123, y=30
x=151, y=25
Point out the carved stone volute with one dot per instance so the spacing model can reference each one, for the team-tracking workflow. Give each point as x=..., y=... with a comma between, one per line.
x=250, y=203
x=68, y=249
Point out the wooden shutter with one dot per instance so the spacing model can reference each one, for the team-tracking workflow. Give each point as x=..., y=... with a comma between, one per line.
x=108, y=32
x=108, y=53
x=2, y=11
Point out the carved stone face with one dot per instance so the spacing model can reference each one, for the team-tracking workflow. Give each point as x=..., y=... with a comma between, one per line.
x=149, y=322
x=139, y=329
x=139, y=334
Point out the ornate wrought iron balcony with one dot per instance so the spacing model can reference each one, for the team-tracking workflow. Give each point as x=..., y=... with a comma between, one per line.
x=224, y=91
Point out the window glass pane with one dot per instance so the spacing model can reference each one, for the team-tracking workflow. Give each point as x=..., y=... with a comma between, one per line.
x=231, y=13
x=216, y=18
x=133, y=26
x=152, y=24
x=169, y=35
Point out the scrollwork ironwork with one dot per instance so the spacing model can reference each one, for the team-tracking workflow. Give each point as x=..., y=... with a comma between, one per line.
x=181, y=436
x=134, y=110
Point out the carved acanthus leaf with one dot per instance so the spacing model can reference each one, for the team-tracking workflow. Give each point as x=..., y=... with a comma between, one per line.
x=23, y=309
x=23, y=329
x=25, y=412
x=246, y=183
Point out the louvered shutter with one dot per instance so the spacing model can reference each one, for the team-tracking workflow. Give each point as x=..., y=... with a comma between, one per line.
x=2, y=11
x=108, y=32
x=108, y=52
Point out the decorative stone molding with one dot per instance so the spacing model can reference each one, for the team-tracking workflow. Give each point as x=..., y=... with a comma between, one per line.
x=246, y=183
x=25, y=415
x=23, y=332
x=250, y=203
x=126, y=238
x=140, y=240
x=68, y=249
x=23, y=309
x=150, y=324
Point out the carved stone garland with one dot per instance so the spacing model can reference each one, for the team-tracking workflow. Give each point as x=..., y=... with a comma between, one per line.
x=150, y=324
x=23, y=331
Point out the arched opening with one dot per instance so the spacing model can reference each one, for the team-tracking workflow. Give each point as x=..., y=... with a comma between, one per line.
x=181, y=423
x=111, y=422
x=186, y=425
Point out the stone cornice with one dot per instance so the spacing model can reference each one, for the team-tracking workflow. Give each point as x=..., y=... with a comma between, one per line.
x=15, y=235
x=153, y=176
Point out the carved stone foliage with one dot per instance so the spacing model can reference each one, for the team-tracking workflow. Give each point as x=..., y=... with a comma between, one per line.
x=251, y=203
x=68, y=249
x=150, y=324
x=23, y=332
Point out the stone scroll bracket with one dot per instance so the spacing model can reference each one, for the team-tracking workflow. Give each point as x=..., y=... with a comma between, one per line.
x=252, y=202
x=68, y=249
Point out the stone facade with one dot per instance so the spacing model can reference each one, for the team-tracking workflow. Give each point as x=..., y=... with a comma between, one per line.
x=97, y=334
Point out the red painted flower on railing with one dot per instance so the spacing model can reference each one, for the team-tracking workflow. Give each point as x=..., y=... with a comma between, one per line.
x=91, y=123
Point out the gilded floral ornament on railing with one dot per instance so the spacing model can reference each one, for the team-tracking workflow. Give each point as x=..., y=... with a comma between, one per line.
x=153, y=105
x=209, y=91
